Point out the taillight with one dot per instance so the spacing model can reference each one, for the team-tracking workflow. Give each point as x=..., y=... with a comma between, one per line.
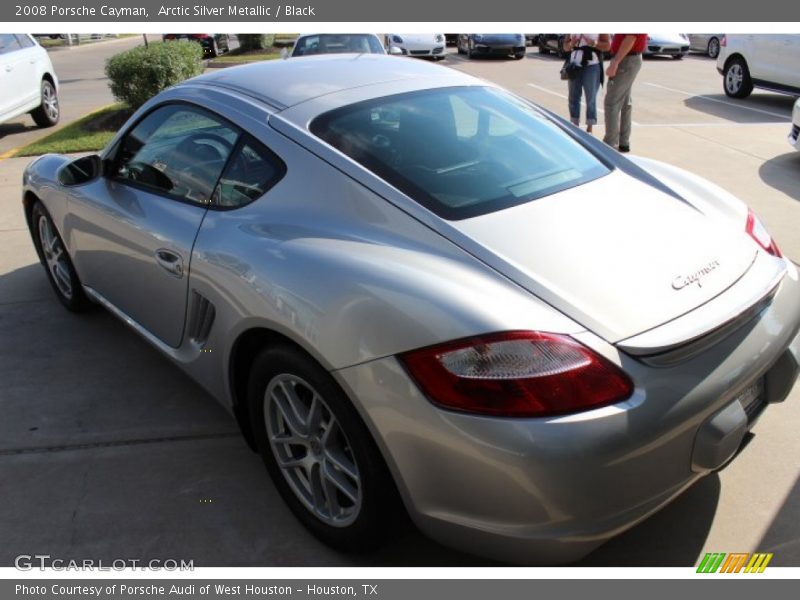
x=724, y=41
x=756, y=230
x=517, y=374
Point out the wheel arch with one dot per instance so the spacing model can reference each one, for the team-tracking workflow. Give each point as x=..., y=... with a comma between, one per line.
x=49, y=77
x=730, y=58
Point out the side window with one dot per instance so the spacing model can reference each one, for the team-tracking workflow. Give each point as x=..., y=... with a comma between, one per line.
x=8, y=43
x=25, y=41
x=178, y=151
x=251, y=172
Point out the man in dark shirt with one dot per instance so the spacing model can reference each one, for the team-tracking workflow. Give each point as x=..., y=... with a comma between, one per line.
x=625, y=64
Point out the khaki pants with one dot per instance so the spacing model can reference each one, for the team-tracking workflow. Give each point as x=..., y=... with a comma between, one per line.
x=618, y=104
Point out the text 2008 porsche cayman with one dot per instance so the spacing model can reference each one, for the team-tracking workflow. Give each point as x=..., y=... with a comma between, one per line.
x=426, y=294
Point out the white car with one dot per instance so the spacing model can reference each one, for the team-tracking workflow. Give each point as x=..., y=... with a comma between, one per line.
x=768, y=61
x=675, y=45
x=423, y=45
x=794, y=134
x=28, y=83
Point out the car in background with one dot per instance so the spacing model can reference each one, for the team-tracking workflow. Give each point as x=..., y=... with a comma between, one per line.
x=767, y=61
x=707, y=43
x=675, y=45
x=28, y=82
x=337, y=43
x=794, y=134
x=451, y=39
x=213, y=44
x=420, y=45
x=408, y=286
x=552, y=42
x=492, y=44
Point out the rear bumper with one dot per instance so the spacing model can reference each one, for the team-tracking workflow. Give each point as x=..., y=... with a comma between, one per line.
x=550, y=490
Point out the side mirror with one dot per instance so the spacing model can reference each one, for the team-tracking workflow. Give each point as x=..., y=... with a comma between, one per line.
x=284, y=52
x=395, y=51
x=81, y=170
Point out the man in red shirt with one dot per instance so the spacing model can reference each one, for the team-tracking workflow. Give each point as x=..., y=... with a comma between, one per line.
x=626, y=49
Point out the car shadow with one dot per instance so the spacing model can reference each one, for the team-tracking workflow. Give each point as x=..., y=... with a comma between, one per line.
x=783, y=173
x=14, y=128
x=756, y=108
x=673, y=537
x=781, y=537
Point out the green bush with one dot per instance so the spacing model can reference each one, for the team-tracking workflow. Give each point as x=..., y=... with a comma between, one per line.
x=139, y=74
x=255, y=41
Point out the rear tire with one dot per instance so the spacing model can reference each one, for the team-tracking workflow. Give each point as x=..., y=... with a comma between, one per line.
x=318, y=452
x=543, y=46
x=713, y=47
x=736, y=78
x=519, y=56
x=48, y=112
x=56, y=261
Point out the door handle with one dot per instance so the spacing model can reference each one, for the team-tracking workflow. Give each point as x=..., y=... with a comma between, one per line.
x=169, y=261
x=9, y=68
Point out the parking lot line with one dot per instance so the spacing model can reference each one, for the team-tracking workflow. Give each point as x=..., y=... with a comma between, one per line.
x=718, y=101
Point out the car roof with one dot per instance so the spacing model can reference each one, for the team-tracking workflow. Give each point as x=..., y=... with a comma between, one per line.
x=285, y=83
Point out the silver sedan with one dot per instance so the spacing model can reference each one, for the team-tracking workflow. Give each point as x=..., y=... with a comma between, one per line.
x=420, y=293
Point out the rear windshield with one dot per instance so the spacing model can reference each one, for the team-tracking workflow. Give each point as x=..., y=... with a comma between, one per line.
x=460, y=152
x=335, y=43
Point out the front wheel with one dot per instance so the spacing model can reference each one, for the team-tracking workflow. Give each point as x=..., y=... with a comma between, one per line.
x=519, y=56
x=736, y=78
x=318, y=451
x=56, y=261
x=48, y=111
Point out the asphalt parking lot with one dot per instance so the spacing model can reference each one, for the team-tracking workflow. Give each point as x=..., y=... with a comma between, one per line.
x=108, y=451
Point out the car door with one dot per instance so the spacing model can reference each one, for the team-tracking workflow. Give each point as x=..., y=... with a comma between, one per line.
x=13, y=85
x=30, y=58
x=789, y=60
x=132, y=231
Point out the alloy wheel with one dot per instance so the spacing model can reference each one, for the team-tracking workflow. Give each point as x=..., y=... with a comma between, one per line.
x=55, y=257
x=312, y=450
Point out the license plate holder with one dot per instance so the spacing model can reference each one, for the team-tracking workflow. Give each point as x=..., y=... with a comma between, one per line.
x=752, y=398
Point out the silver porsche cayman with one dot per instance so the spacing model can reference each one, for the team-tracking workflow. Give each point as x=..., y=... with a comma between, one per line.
x=419, y=293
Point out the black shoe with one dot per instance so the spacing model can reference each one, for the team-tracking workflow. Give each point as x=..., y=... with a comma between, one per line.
x=624, y=148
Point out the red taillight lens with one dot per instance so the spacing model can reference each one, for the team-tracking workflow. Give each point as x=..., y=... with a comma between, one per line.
x=756, y=230
x=517, y=374
x=724, y=41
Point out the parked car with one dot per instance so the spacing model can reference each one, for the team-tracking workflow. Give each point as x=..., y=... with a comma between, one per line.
x=337, y=43
x=420, y=45
x=451, y=39
x=707, y=43
x=768, y=61
x=417, y=291
x=28, y=82
x=794, y=134
x=552, y=42
x=675, y=45
x=492, y=44
x=213, y=44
